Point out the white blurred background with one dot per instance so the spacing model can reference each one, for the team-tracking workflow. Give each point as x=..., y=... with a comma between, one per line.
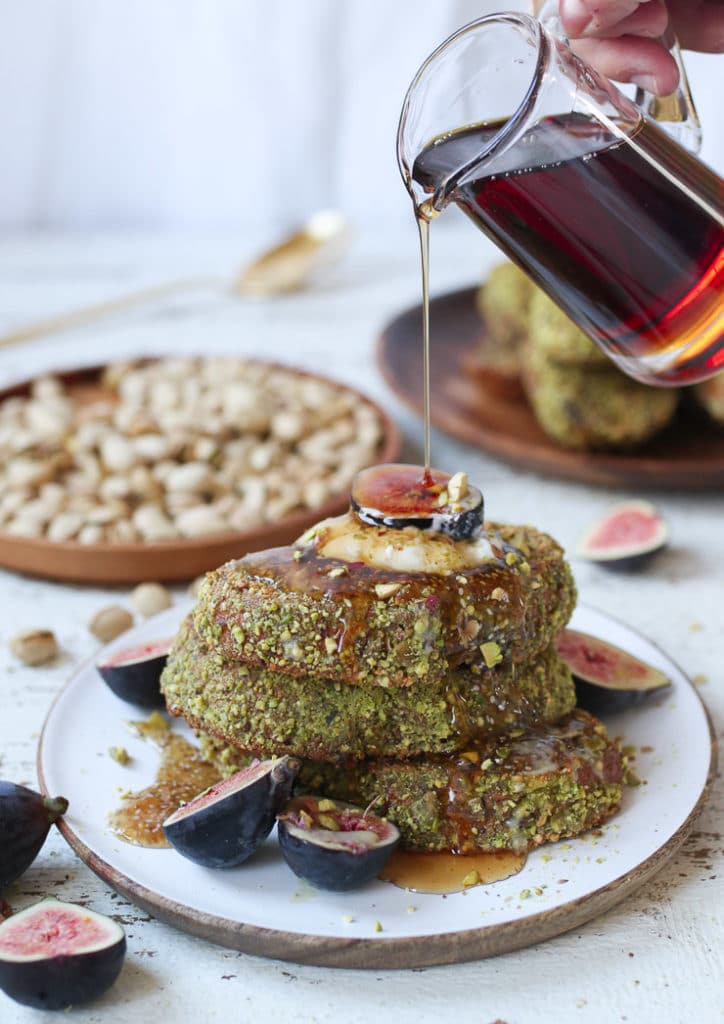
x=204, y=115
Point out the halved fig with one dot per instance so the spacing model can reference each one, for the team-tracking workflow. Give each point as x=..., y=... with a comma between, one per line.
x=225, y=824
x=134, y=674
x=398, y=495
x=607, y=678
x=334, y=845
x=25, y=818
x=625, y=537
x=55, y=955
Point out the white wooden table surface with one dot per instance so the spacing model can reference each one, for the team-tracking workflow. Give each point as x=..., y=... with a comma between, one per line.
x=657, y=957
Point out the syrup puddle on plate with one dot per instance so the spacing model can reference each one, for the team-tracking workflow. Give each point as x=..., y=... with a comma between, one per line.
x=443, y=873
x=182, y=774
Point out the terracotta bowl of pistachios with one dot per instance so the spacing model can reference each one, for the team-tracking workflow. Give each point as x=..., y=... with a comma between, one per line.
x=163, y=469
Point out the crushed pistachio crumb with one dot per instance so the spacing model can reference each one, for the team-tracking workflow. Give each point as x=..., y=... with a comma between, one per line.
x=347, y=918
x=472, y=878
x=378, y=926
x=330, y=644
x=119, y=754
x=491, y=653
x=383, y=590
x=337, y=571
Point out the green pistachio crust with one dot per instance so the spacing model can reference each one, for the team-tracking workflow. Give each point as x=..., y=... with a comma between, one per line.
x=289, y=610
x=513, y=793
x=555, y=336
x=588, y=409
x=503, y=300
x=272, y=713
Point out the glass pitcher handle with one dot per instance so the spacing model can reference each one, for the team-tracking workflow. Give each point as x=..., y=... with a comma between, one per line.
x=675, y=113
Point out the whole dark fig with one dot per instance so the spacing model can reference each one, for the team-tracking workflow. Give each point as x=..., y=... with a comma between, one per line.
x=25, y=818
x=55, y=955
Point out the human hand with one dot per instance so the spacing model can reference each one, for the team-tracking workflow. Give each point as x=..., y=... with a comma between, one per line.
x=621, y=38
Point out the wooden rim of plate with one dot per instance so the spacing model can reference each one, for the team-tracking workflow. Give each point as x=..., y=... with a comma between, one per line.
x=490, y=412
x=381, y=953
x=184, y=559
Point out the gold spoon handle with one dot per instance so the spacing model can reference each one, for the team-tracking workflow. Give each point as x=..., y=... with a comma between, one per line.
x=101, y=310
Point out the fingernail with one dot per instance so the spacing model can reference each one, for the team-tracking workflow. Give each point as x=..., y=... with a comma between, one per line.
x=645, y=82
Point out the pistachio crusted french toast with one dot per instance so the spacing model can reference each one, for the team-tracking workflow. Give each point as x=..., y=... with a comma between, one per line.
x=409, y=660
x=306, y=610
x=269, y=713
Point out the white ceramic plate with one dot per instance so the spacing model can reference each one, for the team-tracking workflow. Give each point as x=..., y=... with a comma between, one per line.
x=260, y=907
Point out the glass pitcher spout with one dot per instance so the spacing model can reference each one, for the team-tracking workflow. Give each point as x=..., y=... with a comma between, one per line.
x=480, y=67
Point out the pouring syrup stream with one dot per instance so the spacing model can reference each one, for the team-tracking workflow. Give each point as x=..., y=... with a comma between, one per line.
x=423, y=215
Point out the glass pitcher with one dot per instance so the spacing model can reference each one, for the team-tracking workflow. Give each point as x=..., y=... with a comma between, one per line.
x=611, y=216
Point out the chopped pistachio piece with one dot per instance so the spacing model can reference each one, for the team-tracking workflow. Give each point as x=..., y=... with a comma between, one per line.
x=457, y=486
x=491, y=653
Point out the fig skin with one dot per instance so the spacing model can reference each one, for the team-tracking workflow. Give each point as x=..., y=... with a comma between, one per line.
x=326, y=867
x=225, y=825
x=608, y=679
x=58, y=980
x=25, y=819
x=137, y=680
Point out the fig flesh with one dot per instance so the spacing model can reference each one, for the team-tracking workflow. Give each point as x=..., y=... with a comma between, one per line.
x=625, y=537
x=134, y=674
x=25, y=819
x=607, y=678
x=224, y=825
x=397, y=496
x=55, y=955
x=334, y=845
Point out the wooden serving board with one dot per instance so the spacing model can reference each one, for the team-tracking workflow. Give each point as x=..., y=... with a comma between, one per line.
x=688, y=454
x=167, y=560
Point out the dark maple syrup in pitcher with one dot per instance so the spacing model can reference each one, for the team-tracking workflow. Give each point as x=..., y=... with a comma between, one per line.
x=628, y=233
